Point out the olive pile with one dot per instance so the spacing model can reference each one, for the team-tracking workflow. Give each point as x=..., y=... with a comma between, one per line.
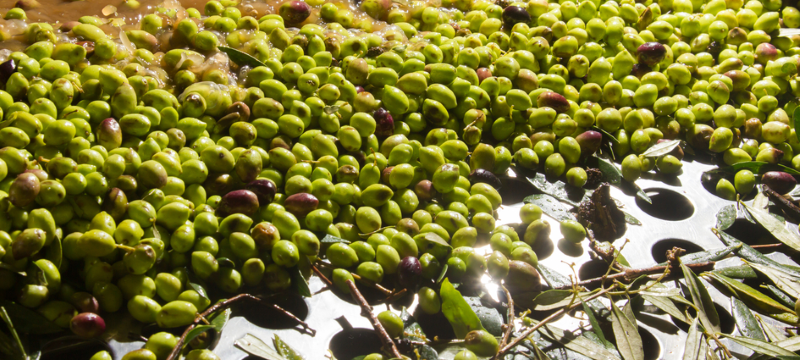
x=134, y=164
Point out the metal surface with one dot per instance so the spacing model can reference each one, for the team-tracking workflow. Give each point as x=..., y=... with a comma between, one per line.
x=324, y=308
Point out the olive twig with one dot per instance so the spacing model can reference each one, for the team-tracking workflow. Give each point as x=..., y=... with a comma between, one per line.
x=321, y=275
x=524, y=335
x=785, y=205
x=385, y=338
x=632, y=274
x=511, y=317
x=224, y=305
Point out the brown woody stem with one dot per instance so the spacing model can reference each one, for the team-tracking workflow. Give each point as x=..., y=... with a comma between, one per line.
x=387, y=341
x=631, y=274
x=511, y=317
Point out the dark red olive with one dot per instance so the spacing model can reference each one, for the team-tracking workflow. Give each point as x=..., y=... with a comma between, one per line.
x=87, y=325
x=779, y=181
x=294, y=12
x=409, y=271
x=238, y=202
x=485, y=176
x=589, y=141
x=553, y=100
x=385, y=123
x=301, y=204
x=424, y=190
x=359, y=89
x=640, y=70
x=651, y=53
x=85, y=302
x=109, y=134
x=6, y=69
x=515, y=14
x=264, y=189
x=483, y=73
x=766, y=52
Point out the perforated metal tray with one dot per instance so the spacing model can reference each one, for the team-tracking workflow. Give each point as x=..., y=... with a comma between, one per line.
x=682, y=214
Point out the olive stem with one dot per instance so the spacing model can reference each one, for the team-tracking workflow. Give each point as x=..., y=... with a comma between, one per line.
x=524, y=335
x=511, y=317
x=782, y=202
x=766, y=246
x=632, y=274
x=385, y=338
x=224, y=305
x=321, y=275
x=125, y=247
x=42, y=160
x=395, y=295
x=13, y=330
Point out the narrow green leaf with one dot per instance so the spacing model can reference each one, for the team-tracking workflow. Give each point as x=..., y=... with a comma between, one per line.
x=330, y=239
x=786, y=282
x=300, y=283
x=787, y=169
x=693, y=349
x=775, y=227
x=285, y=350
x=745, y=321
x=737, y=272
x=631, y=220
x=431, y=242
x=255, y=346
x=613, y=175
x=442, y=274
x=576, y=343
x=705, y=256
x=197, y=331
x=761, y=347
x=241, y=58
x=760, y=201
x=753, y=255
x=220, y=318
x=726, y=217
x=550, y=206
x=773, y=334
x=666, y=305
x=411, y=328
x=779, y=295
x=662, y=148
x=626, y=332
x=13, y=330
x=755, y=299
x=754, y=166
x=28, y=321
x=559, y=190
x=460, y=315
x=606, y=134
x=598, y=331
x=226, y=263
x=199, y=289
x=702, y=301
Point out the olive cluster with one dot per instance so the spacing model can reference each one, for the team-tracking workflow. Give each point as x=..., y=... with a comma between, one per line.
x=146, y=165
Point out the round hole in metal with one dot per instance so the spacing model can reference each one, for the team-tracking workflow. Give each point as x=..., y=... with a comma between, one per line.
x=351, y=343
x=666, y=205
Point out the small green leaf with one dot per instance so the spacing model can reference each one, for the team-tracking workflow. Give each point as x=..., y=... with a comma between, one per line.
x=197, y=331
x=241, y=58
x=779, y=295
x=220, y=318
x=20, y=349
x=613, y=175
x=741, y=272
x=256, y=347
x=702, y=301
x=753, y=255
x=226, y=263
x=550, y=206
x=330, y=109
x=666, y=305
x=631, y=220
x=598, y=331
x=559, y=190
x=606, y=134
x=693, y=349
x=199, y=289
x=773, y=334
x=330, y=239
x=745, y=321
x=788, y=283
x=442, y=274
x=761, y=347
x=626, y=332
x=726, y=217
x=555, y=299
x=457, y=311
x=755, y=299
x=662, y=148
x=775, y=227
x=576, y=343
x=285, y=350
x=300, y=283
x=411, y=328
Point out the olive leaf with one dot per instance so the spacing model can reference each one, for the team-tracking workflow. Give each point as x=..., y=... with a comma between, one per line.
x=606, y=134
x=693, y=349
x=726, y=217
x=760, y=201
x=330, y=109
x=613, y=176
x=490, y=317
x=241, y=58
x=196, y=331
x=737, y=272
x=778, y=294
x=554, y=279
x=755, y=299
x=666, y=305
x=556, y=299
x=28, y=321
x=550, y=206
x=775, y=227
x=752, y=255
x=220, y=318
x=788, y=283
x=626, y=332
x=284, y=349
x=577, y=343
x=199, y=289
x=20, y=349
x=330, y=239
x=442, y=274
x=596, y=329
x=226, y=263
x=709, y=255
x=559, y=190
x=761, y=347
x=457, y=311
x=631, y=220
x=300, y=283
x=434, y=244
x=702, y=301
x=773, y=334
x=256, y=347
x=745, y=321
x=662, y=148
x=411, y=328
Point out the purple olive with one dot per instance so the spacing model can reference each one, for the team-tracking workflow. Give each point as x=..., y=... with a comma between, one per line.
x=483, y=74
x=553, y=100
x=779, y=181
x=589, y=141
x=385, y=123
x=359, y=89
x=264, y=189
x=485, y=176
x=295, y=11
x=515, y=14
x=651, y=53
x=87, y=325
x=238, y=202
x=109, y=134
x=24, y=190
x=6, y=69
x=424, y=190
x=409, y=271
x=640, y=70
x=85, y=302
x=301, y=204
